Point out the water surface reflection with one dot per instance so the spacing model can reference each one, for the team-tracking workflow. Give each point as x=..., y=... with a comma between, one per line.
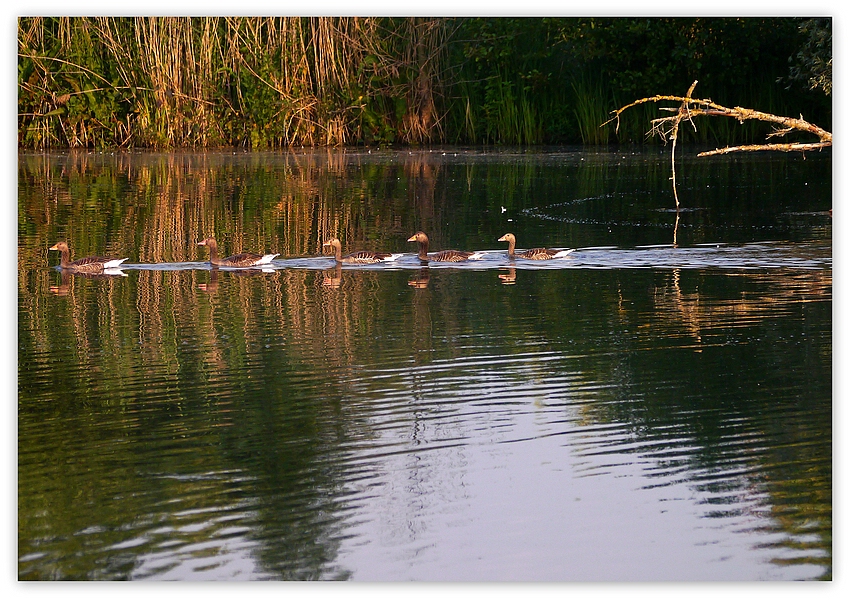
x=636, y=411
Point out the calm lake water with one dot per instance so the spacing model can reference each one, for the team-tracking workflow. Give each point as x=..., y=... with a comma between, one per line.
x=656, y=406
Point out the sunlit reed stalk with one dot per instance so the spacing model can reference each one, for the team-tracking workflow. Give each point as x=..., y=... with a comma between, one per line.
x=258, y=82
x=271, y=82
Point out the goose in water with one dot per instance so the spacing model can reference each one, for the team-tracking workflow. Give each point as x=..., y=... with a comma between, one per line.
x=443, y=255
x=89, y=264
x=245, y=259
x=533, y=253
x=361, y=257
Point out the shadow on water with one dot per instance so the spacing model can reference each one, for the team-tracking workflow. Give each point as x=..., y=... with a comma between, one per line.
x=633, y=411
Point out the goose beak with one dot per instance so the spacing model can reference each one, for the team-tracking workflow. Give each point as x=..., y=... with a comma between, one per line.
x=412, y=238
x=53, y=247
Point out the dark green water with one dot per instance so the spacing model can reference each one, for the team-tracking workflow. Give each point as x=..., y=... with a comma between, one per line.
x=637, y=411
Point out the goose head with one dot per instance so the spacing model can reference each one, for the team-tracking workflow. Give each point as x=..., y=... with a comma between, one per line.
x=333, y=243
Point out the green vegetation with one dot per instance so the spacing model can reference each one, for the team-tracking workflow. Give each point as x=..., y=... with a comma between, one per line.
x=167, y=82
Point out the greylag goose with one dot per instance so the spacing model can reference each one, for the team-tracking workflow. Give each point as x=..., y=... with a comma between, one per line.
x=245, y=259
x=361, y=257
x=89, y=264
x=443, y=255
x=533, y=253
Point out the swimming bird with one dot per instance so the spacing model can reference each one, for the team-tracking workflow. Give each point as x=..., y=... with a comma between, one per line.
x=443, y=255
x=361, y=257
x=89, y=264
x=533, y=253
x=245, y=259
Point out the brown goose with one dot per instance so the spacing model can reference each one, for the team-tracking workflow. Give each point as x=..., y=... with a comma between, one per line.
x=245, y=259
x=443, y=255
x=533, y=253
x=89, y=264
x=361, y=257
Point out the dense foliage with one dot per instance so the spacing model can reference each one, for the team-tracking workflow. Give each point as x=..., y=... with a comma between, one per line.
x=813, y=62
x=274, y=82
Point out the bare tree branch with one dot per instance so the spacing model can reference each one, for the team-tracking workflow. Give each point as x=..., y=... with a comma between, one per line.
x=774, y=147
x=667, y=128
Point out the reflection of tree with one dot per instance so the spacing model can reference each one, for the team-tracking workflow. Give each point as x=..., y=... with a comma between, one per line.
x=270, y=371
x=242, y=368
x=422, y=330
x=723, y=343
x=685, y=309
x=172, y=387
x=284, y=203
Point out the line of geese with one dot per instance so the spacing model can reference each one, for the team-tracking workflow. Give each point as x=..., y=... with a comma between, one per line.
x=105, y=265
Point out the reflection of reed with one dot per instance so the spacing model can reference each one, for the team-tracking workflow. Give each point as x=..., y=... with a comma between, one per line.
x=156, y=207
x=422, y=329
x=349, y=316
x=777, y=293
x=423, y=175
x=74, y=320
x=285, y=203
x=321, y=315
x=159, y=301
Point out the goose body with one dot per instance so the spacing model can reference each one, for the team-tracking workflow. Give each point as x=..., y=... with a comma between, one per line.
x=243, y=260
x=361, y=257
x=89, y=264
x=533, y=253
x=443, y=255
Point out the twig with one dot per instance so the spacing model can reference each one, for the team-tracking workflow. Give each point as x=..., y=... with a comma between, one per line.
x=684, y=113
x=667, y=128
x=693, y=107
x=774, y=147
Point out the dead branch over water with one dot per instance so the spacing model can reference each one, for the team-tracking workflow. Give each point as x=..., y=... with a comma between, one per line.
x=667, y=128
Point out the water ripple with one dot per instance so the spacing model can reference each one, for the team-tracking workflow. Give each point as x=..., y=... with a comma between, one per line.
x=761, y=255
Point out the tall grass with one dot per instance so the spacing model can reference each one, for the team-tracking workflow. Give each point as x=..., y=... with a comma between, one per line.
x=590, y=110
x=509, y=114
x=258, y=82
x=269, y=82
